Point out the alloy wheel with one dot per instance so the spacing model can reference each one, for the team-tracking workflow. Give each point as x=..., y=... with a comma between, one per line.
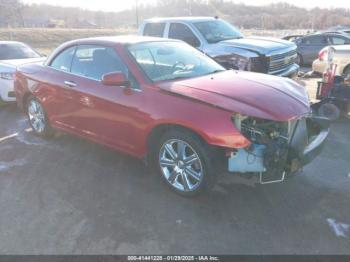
x=180, y=165
x=36, y=116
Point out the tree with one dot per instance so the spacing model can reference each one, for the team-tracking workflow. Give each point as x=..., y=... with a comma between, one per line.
x=11, y=12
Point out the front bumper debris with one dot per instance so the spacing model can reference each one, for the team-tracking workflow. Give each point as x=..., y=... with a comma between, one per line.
x=317, y=129
x=306, y=142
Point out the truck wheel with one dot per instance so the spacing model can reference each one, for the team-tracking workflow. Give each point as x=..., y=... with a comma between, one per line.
x=331, y=111
x=37, y=118
x=300, y=60
x=346, y=72
x=2, y=103
x=184, y=162
x=347, y=110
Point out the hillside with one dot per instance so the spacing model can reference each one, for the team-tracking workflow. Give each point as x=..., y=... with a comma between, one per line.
x=273, y=16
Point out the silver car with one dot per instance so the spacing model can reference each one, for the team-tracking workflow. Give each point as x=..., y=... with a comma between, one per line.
x=338, y=55
x=309, y=46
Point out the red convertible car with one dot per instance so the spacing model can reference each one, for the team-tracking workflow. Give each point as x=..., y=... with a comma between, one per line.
x=164, y=101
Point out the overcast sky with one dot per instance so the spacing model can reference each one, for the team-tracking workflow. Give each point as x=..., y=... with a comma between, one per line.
x=118, y=5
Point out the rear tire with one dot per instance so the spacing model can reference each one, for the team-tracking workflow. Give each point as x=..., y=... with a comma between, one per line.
x=2, y=103
x=183, y=161
x=37, y=118
x=346, y=72
x=300, y=60
x=346, y=112
x=330, y=111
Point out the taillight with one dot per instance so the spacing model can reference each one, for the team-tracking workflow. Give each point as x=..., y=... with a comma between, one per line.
x=322, y=55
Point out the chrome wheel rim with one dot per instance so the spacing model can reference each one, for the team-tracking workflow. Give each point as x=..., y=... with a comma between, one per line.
x=180, y=165
x=36, y=116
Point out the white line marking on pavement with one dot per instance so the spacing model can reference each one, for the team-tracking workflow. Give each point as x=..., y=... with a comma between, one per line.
x=2, y=139
x=340, y=229
x=7, y=165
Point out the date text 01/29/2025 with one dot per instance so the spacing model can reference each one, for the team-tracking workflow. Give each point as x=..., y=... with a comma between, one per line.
x=173, y=258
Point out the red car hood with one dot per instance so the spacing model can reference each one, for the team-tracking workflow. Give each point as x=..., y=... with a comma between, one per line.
x=251, y=94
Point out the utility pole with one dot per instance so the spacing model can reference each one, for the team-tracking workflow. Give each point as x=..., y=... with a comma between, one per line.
x=137, y=13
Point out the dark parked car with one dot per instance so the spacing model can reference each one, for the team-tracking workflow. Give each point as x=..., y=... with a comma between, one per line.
x=164, y=101
x=227, y=45
x=292, y=37
x=310, y=45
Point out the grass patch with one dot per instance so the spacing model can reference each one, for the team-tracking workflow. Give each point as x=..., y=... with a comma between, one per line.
x=46, y=39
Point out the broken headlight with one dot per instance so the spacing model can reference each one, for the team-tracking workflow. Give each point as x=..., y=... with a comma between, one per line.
x=234, y=61
x=261, y=131
x=274, y=135
x=240, y=62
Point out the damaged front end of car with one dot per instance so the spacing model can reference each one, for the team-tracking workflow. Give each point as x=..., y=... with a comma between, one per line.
x=277, y=148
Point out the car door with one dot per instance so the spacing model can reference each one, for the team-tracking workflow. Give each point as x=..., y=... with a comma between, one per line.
x=310, y=46
x=106, y=114
x=182, y=32
x=59, y=101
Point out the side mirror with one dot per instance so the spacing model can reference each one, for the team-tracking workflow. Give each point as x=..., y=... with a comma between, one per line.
x=115, y=79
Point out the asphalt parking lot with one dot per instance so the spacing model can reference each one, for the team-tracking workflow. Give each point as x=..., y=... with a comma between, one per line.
x=70, y=196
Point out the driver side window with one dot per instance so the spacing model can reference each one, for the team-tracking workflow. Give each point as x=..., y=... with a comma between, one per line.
x=183, y=32
x=95, y=61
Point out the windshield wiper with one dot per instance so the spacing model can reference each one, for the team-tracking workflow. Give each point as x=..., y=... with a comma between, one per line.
x=225, y=38
x=178, y=77
x=182, y=77
x=215, y=71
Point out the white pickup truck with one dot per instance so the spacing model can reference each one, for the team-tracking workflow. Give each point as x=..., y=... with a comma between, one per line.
x=223, y=42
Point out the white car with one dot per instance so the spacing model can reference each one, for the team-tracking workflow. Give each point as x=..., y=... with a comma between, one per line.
x=12, y=55
x=339, y=55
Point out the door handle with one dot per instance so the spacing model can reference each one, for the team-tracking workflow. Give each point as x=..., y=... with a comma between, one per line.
x=70, y=83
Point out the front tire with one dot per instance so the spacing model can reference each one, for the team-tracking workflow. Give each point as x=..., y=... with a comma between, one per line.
x=183, y=161
x=300, y=60
x=346, y=72
x=330, y=111
x=37, y=118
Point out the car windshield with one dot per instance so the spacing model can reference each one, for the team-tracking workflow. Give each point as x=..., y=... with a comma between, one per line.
x=172, y=60
x=218, y=30
x=11, y=51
